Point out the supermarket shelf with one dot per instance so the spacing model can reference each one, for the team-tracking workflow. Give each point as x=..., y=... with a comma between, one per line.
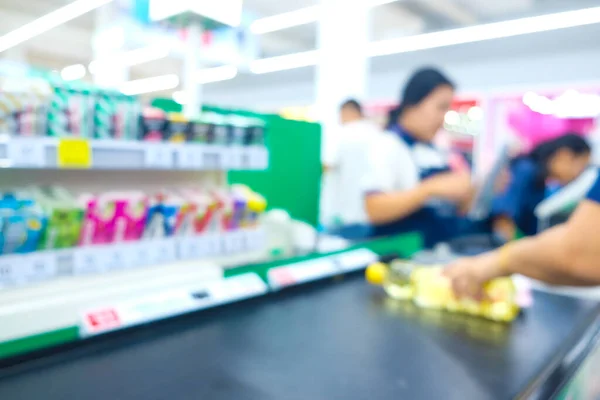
x=114, y=154
x=18, y=270
x=102, y=303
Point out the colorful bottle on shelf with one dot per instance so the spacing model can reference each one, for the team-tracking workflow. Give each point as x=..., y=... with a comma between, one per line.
x=178, y=128
x=153, y=125
x=427, y=287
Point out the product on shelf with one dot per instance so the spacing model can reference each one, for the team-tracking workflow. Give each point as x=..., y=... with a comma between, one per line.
x=217, y=133
x=427, y=287
x=255, y=205
x=23, y=106
x=162, y=215
x=22, y=223
x=153, y=124
x=199, y=130
x=45, y=218
x=71, y=112
x=237, y=130
x=114, y=217
x=178, y=128
x=57, y=108
x=115, y=115
x=64, y=217
x=206, y=210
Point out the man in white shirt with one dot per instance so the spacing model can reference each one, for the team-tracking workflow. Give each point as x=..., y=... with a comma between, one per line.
x=346, y=167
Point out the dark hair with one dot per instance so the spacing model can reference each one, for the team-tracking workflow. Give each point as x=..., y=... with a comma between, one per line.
x=353, y=104
x=419, y=86
x=543, y=152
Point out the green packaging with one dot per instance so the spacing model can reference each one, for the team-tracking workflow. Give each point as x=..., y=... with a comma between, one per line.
x=65, y=218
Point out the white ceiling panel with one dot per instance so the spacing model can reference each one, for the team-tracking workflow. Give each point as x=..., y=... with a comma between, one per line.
x=70, y=43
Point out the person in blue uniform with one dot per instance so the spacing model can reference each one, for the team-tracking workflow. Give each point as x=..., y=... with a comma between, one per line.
x=558, y=161
x=567, y=254
x=408, y=183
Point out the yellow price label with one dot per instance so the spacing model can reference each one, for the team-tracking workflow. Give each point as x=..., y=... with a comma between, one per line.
x=74, y=153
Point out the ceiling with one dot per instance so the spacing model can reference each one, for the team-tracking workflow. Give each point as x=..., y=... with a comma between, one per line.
x=71, y=43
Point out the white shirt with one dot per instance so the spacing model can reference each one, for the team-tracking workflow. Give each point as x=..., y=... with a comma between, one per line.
x=393, y=165
x=349, y=162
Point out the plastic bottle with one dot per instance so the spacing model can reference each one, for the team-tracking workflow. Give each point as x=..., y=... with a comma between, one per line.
x=427, y=287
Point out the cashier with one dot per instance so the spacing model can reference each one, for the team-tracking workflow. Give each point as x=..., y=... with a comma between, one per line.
x=408, y=184
x=558, y=161
x=568, y=254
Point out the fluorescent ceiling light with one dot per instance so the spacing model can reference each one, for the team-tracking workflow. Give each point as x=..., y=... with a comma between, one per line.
x=73, y=72
x=285, y=20
x=228, y=12
x=131, y=58
x=299, y=17
x=217, y=74
x=49, y=21
x=148, y=85
x=281, y=63
x=497, y=30
x=483, y=32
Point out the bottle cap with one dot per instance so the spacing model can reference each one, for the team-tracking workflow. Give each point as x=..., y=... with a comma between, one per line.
x=376, y=273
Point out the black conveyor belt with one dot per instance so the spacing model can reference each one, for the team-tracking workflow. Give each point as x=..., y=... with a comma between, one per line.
x=341, y=340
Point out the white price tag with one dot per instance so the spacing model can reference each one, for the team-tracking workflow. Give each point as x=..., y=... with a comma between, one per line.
x=28, y=153
x=211, y=245
x=142, y=255
x=42, y=265
x=239, y=238
x=164, y=251
x=190, y=248
x=118, y=257
x=12, y=270
x=212, y=157
x=230, y=157
x=228, y=243
x=89, y=260
x=189, y=156
x=158, y=156
x=236, y=157
x=246, y=158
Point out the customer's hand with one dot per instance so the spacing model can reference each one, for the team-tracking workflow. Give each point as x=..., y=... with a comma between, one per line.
x=453, y=186
x=468, y=275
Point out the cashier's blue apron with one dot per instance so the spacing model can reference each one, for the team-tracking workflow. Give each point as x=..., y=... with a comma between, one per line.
x=437, y=221
x=520, y=198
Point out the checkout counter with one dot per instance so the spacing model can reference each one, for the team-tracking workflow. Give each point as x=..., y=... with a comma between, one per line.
x=332, y=338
